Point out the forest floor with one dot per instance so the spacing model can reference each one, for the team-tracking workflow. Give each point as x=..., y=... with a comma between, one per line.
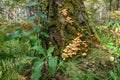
x=100, y=64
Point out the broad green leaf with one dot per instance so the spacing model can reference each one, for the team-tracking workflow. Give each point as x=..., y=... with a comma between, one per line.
x=50, y=51
x=36, y=70
x=31, y=4
x=52, y=63
x=39, y=13
x=44, y=34
x=27, y=58
x=27, y=33
x=39, y=49
x=16, y=34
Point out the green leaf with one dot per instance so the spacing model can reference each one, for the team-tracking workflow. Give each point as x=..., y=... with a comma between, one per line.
x=27, y=58
x=35, y=41
x=31, y=18
x=61, y=63
x=40, y=49
x=31, y=4
x=16, y=34
x=52, y=62
x=50, y=51
x=36, y=70
x=37, y=28
x=27, y=33
x=39, y=41
x=39, y=13
x=44, y=34
x=113, y=75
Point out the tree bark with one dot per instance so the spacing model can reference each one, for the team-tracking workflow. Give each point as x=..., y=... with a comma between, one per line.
x=61, y=32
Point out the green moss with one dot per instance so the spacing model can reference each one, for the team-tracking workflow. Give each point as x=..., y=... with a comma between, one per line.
x=71, y=29
x=67, y=32
x=76, y=2
x=70, y=7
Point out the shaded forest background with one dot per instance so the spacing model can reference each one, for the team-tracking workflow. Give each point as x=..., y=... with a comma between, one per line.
x=59, y=40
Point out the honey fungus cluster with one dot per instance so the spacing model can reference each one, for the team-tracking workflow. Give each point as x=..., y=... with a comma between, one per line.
x=64, y=12
x=68, y=19
x=75, y=46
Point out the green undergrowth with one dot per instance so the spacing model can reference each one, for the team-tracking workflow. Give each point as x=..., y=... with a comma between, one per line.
x=96, y=66
x=110, y=38
x=100, y=63
x=24, y=56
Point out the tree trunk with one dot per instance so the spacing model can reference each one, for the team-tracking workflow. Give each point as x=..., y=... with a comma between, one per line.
x=69, y=19
x=117, y=4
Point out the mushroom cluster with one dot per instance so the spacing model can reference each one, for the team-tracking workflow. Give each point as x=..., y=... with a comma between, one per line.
x=64, y=12
x=68, y=19
x=74, y=46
